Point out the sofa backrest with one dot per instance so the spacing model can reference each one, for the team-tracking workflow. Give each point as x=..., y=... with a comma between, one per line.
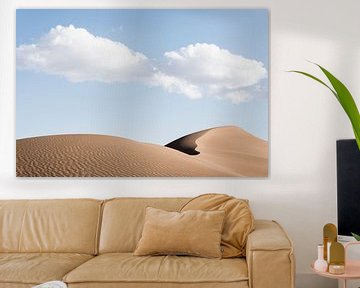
x=67, y=226
x=123, y=220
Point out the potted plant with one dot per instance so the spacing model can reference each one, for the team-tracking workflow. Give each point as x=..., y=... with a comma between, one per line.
x=347, y=102
x=357, y=237
x=344, y=97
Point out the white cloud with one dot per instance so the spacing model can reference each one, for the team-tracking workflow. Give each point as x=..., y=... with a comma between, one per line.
x=237, y=96
x=195, y=71
x=209, y=64
x=176, y=85
x=215, y=71
x=79, y=56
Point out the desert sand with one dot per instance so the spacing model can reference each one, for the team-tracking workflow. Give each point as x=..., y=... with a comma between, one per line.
x=218, y=152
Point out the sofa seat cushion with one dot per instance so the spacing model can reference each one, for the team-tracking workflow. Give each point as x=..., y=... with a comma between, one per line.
x=15, y=285
x=36, y=268
x=125, y=267
x=242, y=284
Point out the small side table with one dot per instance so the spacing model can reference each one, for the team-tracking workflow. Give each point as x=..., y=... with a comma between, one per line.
x=352, y=269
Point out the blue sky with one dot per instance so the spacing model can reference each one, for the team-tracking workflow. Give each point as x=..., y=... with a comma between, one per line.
x=148, y=75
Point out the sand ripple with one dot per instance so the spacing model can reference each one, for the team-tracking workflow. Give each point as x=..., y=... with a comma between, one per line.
x=222, y=153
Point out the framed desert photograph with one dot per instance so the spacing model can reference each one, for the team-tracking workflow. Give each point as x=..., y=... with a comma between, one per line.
x=142, y=92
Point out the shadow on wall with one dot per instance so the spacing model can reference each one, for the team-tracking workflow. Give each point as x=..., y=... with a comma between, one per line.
x=310, y=281
x=306, y=118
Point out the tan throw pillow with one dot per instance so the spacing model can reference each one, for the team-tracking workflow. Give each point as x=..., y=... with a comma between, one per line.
x=239, y=220
x=196, y=233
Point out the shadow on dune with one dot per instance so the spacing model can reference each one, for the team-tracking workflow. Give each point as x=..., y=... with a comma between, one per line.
x=187, y=144
x=180, y=146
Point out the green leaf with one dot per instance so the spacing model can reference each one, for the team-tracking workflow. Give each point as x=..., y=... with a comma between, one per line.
x=347, y=102
x=356, y=236
x=314, y=78
x=344, y=97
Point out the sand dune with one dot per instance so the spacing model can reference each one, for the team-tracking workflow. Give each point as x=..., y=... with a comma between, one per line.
x=223, y=151
x=229, y=149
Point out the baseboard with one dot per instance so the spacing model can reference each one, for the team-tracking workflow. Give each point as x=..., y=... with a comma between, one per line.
x=310, y=280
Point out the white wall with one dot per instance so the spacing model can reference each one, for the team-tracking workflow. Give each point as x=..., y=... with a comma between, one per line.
x=305, y=121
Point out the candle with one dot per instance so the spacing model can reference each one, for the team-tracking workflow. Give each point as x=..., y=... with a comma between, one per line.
x=336, y=269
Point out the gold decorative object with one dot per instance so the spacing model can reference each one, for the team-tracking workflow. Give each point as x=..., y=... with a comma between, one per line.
x=330, y=236
x=337, y=253
x=337, y=258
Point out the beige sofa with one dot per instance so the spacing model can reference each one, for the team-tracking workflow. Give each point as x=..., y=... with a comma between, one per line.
x=89, y=243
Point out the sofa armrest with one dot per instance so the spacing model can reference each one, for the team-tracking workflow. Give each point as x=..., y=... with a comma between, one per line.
x=269, y=256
